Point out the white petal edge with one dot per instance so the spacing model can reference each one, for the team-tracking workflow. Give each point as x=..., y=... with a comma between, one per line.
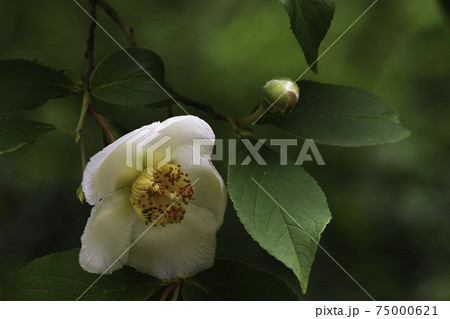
x=108, y=234
x=107, y=170
x=177, y=250
x=183, y=130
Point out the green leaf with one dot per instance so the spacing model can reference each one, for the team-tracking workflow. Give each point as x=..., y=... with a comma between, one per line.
x=26, y=85
x=16, y=132
x=310, y=20
x=74, y=77
x=120, y=80
x=59, y=277
x=341, y=116
x=232, y=280
x=273, y=201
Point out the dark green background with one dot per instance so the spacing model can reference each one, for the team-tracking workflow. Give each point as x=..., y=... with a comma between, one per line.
x=390, y=204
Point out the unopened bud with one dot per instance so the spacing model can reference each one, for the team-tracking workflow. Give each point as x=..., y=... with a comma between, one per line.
x=80, y=194
x=280, y=95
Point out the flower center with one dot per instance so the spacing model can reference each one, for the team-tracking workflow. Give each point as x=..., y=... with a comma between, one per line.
x=158, y=195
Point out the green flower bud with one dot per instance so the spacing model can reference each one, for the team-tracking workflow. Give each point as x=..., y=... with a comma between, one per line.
x=80, y=195
x=280, y=95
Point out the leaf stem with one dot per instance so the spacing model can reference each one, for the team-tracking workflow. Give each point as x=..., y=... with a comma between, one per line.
x=102, y=124
x=78, y=134
x=260, y=110
x=84, y=108
x=168, y=290
x=175, y=287
x=116, y=17
x=176, y=292
x=66, y=132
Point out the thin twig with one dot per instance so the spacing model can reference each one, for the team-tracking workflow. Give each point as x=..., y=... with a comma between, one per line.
x=205, y=108
x=116, y=17
x=89, y=54
x=102, y=124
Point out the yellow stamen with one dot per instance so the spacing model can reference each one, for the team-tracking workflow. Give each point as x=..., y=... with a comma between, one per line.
x=158, y=196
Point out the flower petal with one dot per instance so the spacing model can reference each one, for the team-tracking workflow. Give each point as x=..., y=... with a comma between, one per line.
x=180, y=133
x=183, y=130
x=176, y=250
x=107, y=171
x=209, y=188
x=108, y=234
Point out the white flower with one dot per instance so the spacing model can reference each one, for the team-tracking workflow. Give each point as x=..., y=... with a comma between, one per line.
x=183, y=216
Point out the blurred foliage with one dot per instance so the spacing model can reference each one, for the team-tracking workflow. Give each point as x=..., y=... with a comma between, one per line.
x=390, y=203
